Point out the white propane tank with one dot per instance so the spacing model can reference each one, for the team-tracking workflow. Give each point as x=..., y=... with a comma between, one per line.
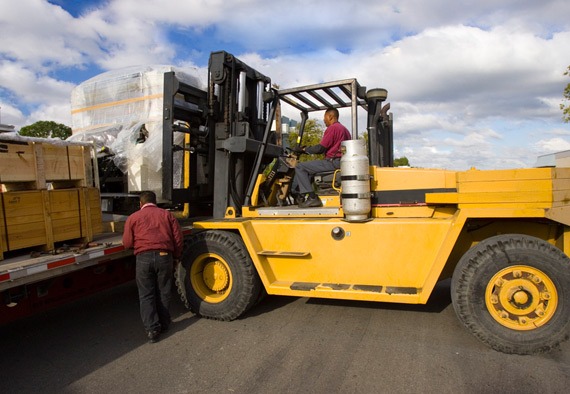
x=355, y=180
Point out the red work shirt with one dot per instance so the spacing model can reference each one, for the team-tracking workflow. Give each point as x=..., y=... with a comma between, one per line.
x=153, y=228
x=334, y=135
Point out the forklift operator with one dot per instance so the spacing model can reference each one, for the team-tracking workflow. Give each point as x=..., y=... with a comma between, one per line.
x=334, y=134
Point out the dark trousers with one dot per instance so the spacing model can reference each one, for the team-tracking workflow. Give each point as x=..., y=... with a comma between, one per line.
x=304, y=172
x=154, y=283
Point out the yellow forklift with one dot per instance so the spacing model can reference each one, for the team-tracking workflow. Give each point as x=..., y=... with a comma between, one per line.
x=388, y=234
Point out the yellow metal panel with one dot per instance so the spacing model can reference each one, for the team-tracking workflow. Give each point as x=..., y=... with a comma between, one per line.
x=538, y=196
x=506, y=186
x=442, y=198
x=391, y=253
x=403, y=212
x=504, y=175
x=385, y=178
x=502, y=212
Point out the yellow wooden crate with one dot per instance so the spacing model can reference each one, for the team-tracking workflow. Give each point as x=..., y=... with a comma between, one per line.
x=55, y=162
x=25, y=219
x=32, y=165
x=17, y=162
x=91, y=215
x=81, y=165
x=35, y=218
x=64, y=214
x=3, y=246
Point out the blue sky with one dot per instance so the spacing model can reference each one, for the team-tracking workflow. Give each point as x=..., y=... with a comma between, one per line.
x=471, y=84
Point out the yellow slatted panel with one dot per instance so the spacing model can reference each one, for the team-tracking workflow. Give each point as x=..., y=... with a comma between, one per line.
x=55, y=162
x=65, y=215
x=17, y=162
x=3, y=246
x=25, y=219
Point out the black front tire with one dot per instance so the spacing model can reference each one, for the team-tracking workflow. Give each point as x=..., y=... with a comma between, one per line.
x=216, y=277
x=513, y=293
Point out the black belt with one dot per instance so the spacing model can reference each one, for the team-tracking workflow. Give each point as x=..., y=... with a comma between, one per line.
x=161, y=252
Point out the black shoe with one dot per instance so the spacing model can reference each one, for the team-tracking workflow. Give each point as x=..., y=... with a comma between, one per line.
x=153, y=336
x=311, y=202
x=299, y=199
x=164, y=327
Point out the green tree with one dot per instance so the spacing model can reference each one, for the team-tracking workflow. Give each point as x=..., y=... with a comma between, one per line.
x=401, y=162
x=46, y=129
x=565, y=106
x=311, y=136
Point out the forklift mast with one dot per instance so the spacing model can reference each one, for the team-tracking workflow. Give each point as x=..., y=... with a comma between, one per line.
x=241, y=105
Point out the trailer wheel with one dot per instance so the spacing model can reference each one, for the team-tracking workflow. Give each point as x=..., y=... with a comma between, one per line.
x=513, y=293
x=216, y=277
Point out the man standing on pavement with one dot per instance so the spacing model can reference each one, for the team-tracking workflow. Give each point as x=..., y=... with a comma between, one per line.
x=330, y=146
x=157, y=239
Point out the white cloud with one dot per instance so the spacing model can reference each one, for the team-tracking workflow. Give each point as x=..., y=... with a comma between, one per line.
x=469, y=82
x=9, y=112
x=553, y=145
x=43, y=36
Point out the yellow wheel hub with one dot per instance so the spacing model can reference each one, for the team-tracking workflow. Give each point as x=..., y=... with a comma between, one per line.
x=211, y=278
x=521, y=298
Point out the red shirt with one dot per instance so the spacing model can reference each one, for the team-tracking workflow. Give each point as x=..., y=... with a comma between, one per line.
x=334, y=135
x=153, y=228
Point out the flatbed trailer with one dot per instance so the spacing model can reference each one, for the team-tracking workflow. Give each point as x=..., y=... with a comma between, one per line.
x=37, y=281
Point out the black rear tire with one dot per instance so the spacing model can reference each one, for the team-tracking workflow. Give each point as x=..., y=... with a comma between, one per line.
x=216, y=277
x=513, y=293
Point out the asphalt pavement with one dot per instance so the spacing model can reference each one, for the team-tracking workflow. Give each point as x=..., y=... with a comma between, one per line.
x=283, y=345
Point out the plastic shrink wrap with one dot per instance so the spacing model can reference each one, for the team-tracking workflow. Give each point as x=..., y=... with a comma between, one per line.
x=121, y=112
